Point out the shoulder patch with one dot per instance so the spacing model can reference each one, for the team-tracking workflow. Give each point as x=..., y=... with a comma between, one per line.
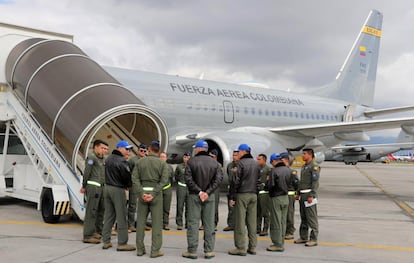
x=90, y=162
x=315, y=168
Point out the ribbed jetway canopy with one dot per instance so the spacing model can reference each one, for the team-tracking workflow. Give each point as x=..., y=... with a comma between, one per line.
x=72, y=97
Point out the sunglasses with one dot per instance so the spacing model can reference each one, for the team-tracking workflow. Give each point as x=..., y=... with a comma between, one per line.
x=143, y=150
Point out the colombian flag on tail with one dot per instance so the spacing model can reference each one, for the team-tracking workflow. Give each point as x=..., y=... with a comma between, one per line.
x=362, y=51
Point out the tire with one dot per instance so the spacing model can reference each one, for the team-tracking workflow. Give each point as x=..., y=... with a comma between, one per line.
x=47, y=207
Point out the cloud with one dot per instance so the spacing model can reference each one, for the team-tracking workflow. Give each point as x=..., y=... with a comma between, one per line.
x=286, y=45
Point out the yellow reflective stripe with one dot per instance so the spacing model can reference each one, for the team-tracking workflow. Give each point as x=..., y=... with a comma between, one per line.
x=182, y=184
x=291, y=193
x=372, y=31
x=62, y=208
x=263, y=192
x=94, y=183
x=148, y=188
x=166, y=187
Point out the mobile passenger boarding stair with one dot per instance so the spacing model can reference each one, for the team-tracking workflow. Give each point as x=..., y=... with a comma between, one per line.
x=54, y=102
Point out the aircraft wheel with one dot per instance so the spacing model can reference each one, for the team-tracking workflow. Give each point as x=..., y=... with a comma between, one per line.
x=47, y=207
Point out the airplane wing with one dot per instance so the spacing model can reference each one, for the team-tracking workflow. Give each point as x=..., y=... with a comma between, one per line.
x=400, y=145
x=343, y=128
x=374, y=113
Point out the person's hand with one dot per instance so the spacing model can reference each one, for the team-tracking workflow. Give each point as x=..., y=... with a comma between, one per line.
x=297, y=197
x=232, y=203
x=150, y=197
x=310, y=199
x=203, y=196
x=82, y=190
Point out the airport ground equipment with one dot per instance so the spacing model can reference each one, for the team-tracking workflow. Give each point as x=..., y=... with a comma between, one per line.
x=54, y=102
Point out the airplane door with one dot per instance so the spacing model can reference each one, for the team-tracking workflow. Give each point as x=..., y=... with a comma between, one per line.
x=228, y=111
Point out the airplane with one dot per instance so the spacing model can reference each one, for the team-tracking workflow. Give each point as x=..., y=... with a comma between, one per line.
x=269, y=120
x=56, y=100
x=400, y=157
x=75, y=101
x=353, y=153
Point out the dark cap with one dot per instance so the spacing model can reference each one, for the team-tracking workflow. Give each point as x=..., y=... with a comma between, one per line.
x=284, y=155
x=187, y=154
x=142, y=146
x=155, y=143
x=214, y=152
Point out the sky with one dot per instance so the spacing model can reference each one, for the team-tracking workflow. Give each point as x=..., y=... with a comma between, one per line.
x=287, y=45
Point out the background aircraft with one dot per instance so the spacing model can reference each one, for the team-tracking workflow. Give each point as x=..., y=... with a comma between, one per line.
x=353, y=153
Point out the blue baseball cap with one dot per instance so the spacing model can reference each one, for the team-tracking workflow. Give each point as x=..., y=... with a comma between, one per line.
x=284, y=155
x=123, y=144
x=275, y=156
x=244, y=147
x=200, y=144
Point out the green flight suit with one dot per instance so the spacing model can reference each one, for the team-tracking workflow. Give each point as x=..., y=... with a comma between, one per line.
x=308, y=186
x=231, y=170
x=263, y=202
x=182, y=194
x=150, y=175
x=93, y=182
x=293, y=187
x=133, y=195
x=167, y=196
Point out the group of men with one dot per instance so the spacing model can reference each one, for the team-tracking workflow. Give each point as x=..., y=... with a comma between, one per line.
x=256, y=192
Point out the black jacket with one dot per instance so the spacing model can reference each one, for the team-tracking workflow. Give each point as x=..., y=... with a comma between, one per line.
x=117, y=171
x=202, y=173
x=279, y=180
x=247, y=177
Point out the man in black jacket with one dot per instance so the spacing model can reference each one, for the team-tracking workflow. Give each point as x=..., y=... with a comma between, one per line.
x=243, y=194
x=277, y=185
x=117, y=180
x=202, y=176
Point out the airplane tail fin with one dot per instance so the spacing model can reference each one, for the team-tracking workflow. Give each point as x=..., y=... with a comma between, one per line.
x=355, y=81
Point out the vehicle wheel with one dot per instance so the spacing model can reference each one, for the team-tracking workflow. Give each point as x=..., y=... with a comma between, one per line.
x=47, y=207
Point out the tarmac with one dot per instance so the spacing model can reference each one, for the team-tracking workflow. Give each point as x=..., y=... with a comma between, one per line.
x=366, y=214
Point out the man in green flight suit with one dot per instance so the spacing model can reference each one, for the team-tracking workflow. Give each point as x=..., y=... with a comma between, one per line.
x=167, y=193
x=263, y=199
x=308, y=187
x=231, y=171
x=133, y=195
x=117, y=180
x=182, y=192
x=150, y=175
x=292, y=187
x=92, y=187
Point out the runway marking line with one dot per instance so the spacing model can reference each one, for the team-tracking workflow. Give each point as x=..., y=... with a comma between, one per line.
x=222, y=236
x=400, y=203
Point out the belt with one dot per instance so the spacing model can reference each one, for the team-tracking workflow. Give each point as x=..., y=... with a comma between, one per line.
x=291, y=193
x=305, y=191
x=182, y=184
x=166, y=187
x=148, y=188
x=263, y=192
x=94, y=183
